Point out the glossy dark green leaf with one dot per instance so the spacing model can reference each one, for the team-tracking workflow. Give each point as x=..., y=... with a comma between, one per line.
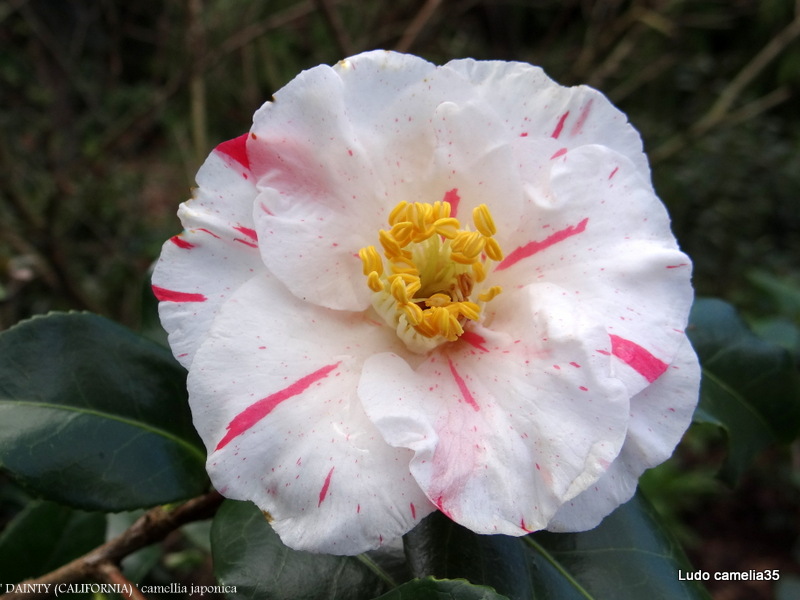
x=627, y=557
x=440, y=548
x=249, y=555
x=94, y=416
x=44, y=536
x=441, y=589
x=750, y=387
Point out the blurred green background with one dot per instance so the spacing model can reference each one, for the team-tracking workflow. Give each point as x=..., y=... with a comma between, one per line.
x=108, y=108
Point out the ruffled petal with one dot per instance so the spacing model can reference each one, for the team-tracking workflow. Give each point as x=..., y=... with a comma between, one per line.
x=534, y=106
x=475, y=163
x=660, y=414
x=340, y=147
x=273, y=394
x=598, y=231
x=216, y=253
x=511, y=421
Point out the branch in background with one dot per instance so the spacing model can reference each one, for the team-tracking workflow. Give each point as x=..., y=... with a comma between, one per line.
x=102, y=562
x=415, y=27
x=110, y=573
x=720, y=110
x=343, y=42
x=195, y=39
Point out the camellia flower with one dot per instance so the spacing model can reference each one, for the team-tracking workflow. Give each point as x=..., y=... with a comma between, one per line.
x=412, y=288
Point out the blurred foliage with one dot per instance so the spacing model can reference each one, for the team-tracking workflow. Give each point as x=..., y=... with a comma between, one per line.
x=109, y=108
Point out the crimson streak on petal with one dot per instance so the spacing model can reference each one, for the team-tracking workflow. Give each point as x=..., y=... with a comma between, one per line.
x=559, y=126
x=324, y=491
x=236, y=149
x=462, y=387
x=181, y=243
x=532, y=248
x=165, y=295
x=638, y=358
x=474, y=339
x=453, y=198
x=255, y=412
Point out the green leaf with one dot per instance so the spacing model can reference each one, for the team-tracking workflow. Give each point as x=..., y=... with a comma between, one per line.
x=441, y=589
x=44, y=536
x=440, y=548
x=249, y=555
x=93, y=416
x=628, y=556
x=750, y=387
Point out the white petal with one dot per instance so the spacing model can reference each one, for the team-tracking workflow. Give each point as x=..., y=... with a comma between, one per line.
x=599, y=232
x=511, y=421
x=340, y=147
x=660, y=414
x=273, y=394
x=216, y=253
x=474, y=158
x=535, y=107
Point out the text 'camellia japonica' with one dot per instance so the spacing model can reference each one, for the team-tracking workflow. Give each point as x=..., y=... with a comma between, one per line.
x=412, y=288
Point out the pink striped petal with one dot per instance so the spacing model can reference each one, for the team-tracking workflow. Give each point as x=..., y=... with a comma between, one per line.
x=505, y=433
x=203, y=266
x=605, y=240
x=660, y=415
x=273, y=394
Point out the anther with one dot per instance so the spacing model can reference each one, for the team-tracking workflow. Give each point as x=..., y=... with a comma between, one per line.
x=398, y=213
x=371, y=259
x=489, y=294
x=483, y=220
x=430, y=255
x=492, y=249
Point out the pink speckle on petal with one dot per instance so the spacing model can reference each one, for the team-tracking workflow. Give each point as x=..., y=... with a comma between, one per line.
x=559, y=152
x=638, y=358
x=257, y=411
x=413, y=511
x=614, y=172
x=532, y=248
x=324, y=491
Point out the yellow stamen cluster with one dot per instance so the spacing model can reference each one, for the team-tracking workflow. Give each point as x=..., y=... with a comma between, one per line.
x=433, y=266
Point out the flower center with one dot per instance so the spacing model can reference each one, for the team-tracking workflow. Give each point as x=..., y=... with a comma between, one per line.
x=431, y=287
